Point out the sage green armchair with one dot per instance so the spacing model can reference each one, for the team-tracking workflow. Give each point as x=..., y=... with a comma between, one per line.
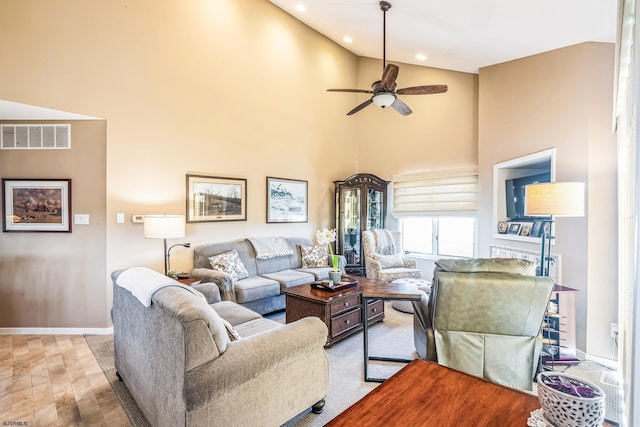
x=483, y=317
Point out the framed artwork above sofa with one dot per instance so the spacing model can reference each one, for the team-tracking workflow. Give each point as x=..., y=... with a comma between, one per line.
x=214, y=198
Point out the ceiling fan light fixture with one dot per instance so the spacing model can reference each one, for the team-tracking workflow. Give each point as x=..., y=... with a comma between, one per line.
x=383, y=100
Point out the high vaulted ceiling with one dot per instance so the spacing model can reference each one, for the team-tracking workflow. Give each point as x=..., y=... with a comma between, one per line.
x=460, y=35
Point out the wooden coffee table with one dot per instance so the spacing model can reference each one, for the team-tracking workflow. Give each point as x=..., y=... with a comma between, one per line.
x=427, y=394
x=342, y=311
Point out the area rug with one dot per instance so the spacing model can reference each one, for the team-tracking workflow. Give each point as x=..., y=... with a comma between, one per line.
x=392, y=338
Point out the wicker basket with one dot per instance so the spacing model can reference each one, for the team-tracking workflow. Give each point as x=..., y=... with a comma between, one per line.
x=566, y=410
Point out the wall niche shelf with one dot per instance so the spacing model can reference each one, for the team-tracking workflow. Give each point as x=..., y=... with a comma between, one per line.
x=537, y=163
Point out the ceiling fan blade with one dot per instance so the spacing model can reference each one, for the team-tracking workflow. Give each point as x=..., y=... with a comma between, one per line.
x=422, y=90
x=389, y=75
x=401, y=107
x=350, y=90
x=360, y=107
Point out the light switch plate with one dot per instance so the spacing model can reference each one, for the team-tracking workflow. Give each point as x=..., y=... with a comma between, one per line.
x=81, y=219
x=120, y=218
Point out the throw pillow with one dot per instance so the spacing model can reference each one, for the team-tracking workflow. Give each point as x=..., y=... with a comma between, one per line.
x=229, y=262
x=390, y=261
x=314, y=256
x=231, y=331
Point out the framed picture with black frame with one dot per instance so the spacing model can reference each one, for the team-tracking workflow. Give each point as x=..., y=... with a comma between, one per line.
x=514, y=228
x=287, y=200
x=33, y=204
x=536, y=228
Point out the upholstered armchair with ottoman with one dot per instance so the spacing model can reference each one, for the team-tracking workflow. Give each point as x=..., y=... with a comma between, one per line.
x=190, y=359
x=383, y=256
x=484, y=318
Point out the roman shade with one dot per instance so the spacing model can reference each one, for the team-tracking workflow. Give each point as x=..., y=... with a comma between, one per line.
x=436, y=193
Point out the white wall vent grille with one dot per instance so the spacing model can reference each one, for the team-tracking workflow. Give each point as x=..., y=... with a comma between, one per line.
x=35, y=137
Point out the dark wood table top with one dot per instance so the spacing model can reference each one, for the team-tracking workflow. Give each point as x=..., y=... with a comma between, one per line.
x=427, y=394
x=307, y=292
x=370, y=288
x=374, y=288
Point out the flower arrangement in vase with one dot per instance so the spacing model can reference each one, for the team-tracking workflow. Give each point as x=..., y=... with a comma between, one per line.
x=569, y=401
x=327, y=237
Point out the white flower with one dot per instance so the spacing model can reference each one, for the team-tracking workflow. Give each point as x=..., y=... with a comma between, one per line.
x=326, y=236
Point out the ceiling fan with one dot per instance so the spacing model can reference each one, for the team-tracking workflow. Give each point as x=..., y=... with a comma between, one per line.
x=383, y=92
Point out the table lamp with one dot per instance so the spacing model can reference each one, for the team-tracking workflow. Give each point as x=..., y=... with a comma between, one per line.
x=552, y=199
x=165, y=227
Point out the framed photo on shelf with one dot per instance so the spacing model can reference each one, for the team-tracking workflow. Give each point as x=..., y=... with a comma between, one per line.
x=524, y=231
x=514, y=228
x=502, y=227
x=536, y=228
x=287, y=200
x=214, y=198
x=36, y=205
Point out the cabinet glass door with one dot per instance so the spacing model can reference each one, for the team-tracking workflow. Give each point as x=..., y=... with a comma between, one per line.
x=351, y=227
x=375, y=209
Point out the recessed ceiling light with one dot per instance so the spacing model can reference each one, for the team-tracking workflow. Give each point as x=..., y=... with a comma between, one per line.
x=347, y=39
x=421, y=57
x=300, y=7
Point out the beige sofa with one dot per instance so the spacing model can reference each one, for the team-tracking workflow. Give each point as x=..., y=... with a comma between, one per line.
x=178, y=361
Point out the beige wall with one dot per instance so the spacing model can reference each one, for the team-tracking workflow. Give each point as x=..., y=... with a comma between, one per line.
x=57, y=280
x=238, y=89
x=561, y=99
x=229, y=88
x=440, y=134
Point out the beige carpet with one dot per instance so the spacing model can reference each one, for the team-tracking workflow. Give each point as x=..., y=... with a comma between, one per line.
x=392, y=337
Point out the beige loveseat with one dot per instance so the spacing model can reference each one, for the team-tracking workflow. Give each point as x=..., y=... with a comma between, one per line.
x=178, y=360
x=259, y=289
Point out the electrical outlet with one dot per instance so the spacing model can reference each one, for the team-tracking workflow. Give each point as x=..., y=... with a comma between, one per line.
x=614, y=330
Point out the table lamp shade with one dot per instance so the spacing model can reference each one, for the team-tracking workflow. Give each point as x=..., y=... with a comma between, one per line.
x=164, y=226
x=554, y=198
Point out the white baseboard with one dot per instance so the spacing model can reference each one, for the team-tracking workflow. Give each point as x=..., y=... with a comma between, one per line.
x=56, y=331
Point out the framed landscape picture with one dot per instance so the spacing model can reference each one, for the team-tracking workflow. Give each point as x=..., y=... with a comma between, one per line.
x=36, y=205
x=286, y=200
x=212, y=198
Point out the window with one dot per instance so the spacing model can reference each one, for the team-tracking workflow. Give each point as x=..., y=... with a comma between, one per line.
x=439, y=236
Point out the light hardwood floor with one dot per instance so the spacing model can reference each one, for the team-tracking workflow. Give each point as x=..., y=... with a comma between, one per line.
x=54, y=380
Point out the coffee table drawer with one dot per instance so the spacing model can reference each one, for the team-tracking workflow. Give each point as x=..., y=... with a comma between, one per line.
x=345, y=322
x=375, y=309
x=345, y=305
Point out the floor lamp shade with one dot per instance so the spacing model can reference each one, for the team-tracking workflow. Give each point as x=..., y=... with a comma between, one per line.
x=164, y=226
x=554, y=198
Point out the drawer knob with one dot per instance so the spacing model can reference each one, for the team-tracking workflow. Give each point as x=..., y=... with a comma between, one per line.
x=346, y=304
x=347, y=322
x=374, y=310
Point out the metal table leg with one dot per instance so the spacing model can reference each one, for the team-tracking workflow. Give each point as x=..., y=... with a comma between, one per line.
x=365, y=337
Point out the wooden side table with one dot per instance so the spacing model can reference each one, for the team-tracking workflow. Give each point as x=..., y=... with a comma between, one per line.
x=193, y=280
x=380, y=290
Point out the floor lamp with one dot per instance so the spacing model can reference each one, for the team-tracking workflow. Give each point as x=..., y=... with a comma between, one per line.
x=165, y=227
x=555, y=199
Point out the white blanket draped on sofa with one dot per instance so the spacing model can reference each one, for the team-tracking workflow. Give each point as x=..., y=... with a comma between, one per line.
x=270, y=247
x=143, y=283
